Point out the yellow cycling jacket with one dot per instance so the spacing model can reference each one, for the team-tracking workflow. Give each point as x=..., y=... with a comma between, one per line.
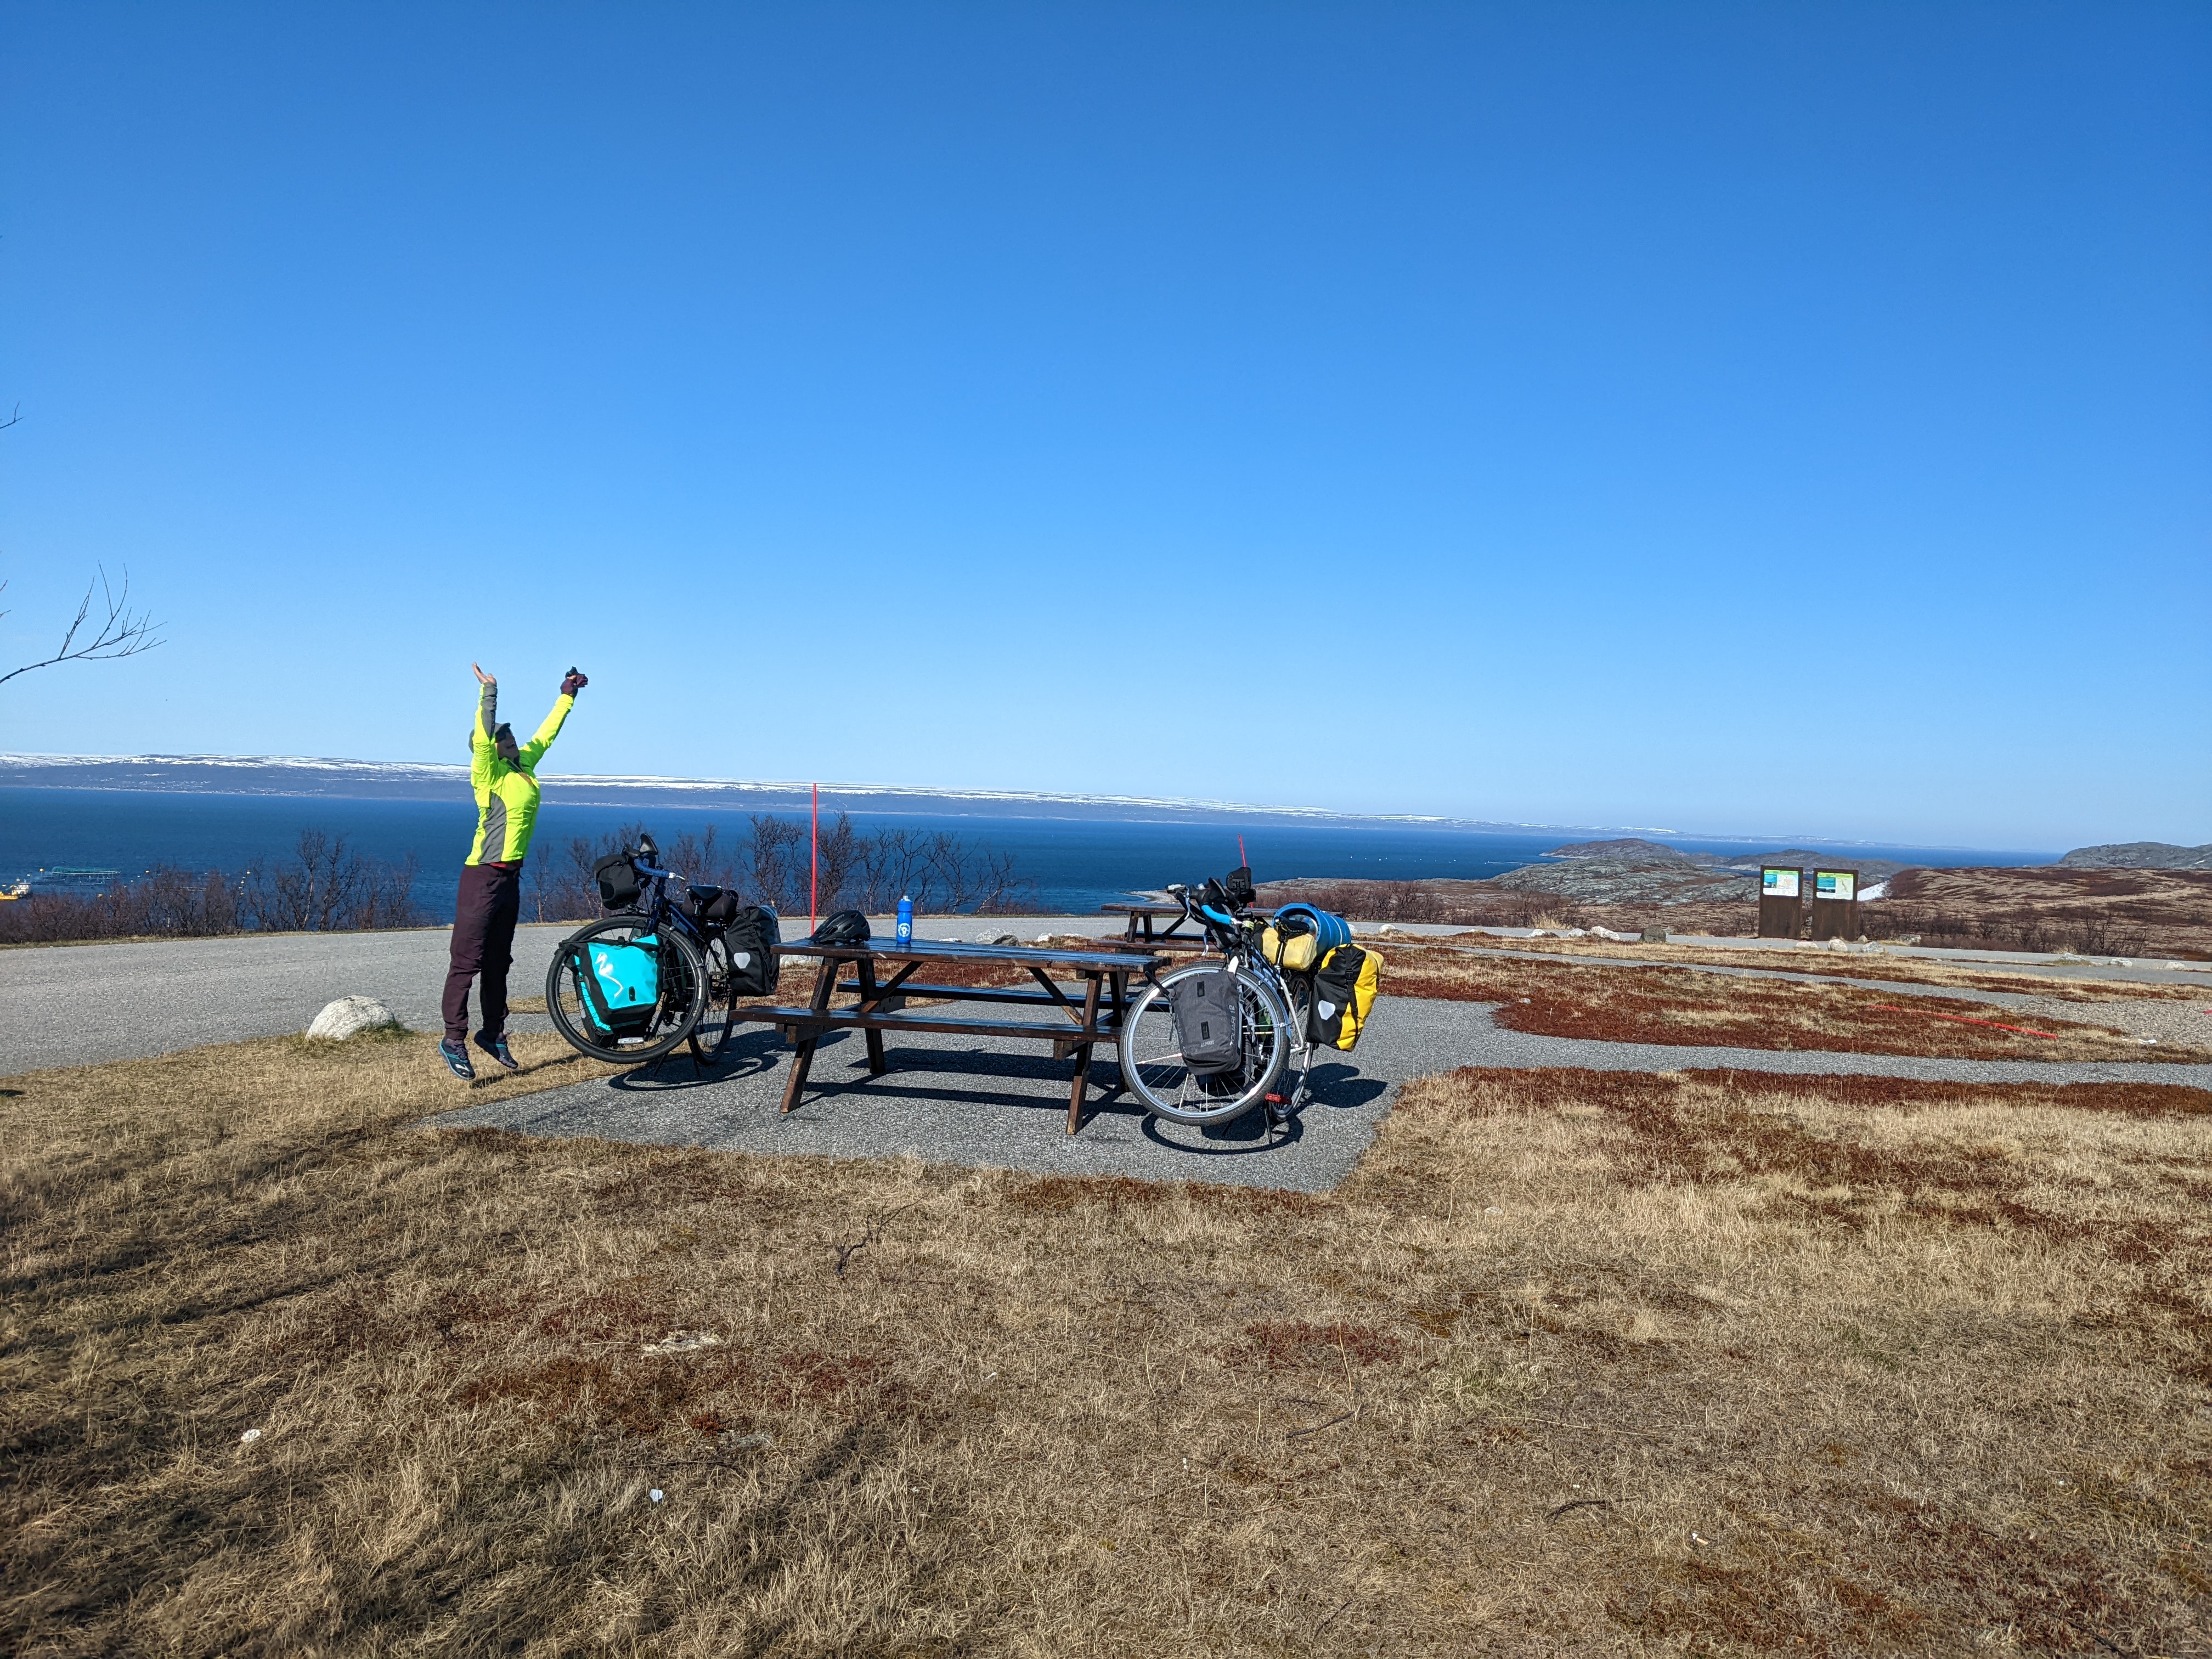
x=507, y=796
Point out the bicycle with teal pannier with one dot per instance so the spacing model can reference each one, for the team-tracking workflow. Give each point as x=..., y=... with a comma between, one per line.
x=658, y=972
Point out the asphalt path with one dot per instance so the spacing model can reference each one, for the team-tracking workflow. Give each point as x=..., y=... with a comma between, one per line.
x=81, y=1005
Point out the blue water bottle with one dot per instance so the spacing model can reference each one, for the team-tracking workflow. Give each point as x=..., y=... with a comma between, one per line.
x=905, y=919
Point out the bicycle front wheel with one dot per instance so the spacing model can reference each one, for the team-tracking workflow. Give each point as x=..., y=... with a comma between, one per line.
x=585, y=1019
x=1153, y=1068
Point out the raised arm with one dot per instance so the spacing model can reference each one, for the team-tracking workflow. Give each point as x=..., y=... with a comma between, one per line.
x=483, y=751
x=534, y=751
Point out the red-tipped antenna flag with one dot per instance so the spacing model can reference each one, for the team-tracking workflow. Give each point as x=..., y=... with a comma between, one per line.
x=814, y=861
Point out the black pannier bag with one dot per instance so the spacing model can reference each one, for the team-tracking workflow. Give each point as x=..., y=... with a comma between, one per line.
x=1209, y=1021
x=713, y=904
x=619, y=884
x=752, y=935
x=1344, y=987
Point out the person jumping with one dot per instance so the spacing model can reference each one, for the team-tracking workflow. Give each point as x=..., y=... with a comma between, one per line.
x=505, y=776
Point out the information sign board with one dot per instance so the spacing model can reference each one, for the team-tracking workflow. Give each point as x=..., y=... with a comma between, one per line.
x=1835, y=904
x=1781, y=902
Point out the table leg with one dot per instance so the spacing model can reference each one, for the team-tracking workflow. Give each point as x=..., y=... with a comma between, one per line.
x=1083, y=1054
x=869, y=997
x=802, y=1058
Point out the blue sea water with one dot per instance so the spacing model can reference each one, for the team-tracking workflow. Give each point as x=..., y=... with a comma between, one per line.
x=1076, y=864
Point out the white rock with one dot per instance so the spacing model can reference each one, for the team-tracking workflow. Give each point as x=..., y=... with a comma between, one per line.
x=350, y=1017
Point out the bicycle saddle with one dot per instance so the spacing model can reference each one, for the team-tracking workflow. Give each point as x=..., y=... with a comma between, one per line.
x=705, y=894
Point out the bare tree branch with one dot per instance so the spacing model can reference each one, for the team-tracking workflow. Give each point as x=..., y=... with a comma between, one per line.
x=120, y=634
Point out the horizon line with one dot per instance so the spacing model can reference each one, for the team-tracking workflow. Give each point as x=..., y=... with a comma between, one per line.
x=446, y=769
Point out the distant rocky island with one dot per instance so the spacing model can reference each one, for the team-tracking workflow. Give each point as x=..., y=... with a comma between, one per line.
x=2138, y=855
x=2123, y=899
x=1630, y=871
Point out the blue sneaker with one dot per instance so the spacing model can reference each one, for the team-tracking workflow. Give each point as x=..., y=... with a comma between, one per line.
x=457, y=1060
x=497, y=1047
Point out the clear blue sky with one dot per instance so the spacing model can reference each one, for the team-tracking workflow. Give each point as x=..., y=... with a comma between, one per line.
x=1476, y=384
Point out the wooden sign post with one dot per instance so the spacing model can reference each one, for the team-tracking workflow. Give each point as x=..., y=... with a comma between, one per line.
x=1781, y=904
x=1835, y=904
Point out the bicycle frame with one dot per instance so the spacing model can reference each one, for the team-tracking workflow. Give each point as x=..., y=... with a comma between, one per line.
x=660, y=911
x=1233, y=935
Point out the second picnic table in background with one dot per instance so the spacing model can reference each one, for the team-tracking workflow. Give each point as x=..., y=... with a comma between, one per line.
x=1104, y=999
x=1141, y=917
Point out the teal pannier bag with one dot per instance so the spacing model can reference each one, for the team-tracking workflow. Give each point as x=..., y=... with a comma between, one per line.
x=621, y=984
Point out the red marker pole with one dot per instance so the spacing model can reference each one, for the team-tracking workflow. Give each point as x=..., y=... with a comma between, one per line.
x=1241, y=859
x=814, y=861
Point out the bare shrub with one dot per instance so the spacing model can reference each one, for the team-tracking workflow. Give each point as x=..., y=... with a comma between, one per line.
x=1461, y=906
x=325, y=887
x=942, y=872
x=2097, y=934
x=168, y=901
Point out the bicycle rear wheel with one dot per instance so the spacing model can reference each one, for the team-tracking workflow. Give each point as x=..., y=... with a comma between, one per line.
x=681, y=988
x=1152, y=1065
x=718, y=1022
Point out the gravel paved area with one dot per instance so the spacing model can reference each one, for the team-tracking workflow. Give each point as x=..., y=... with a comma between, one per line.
x=988, y=1104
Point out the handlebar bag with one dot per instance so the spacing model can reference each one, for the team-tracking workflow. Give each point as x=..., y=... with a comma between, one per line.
x=1209, y=1020
x=621, y=984
x=1344, y=991
x=617, y=874
x=752, y=936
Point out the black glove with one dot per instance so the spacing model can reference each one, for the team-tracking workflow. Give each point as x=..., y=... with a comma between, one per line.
x=573, y=683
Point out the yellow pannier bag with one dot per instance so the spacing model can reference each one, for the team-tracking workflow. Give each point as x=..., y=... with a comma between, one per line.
x=1344, y=990
x=1291, y=951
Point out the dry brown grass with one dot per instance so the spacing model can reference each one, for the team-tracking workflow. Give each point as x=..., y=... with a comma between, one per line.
x=1575, y=1363
x=1680, y=1005
x=1897, y=969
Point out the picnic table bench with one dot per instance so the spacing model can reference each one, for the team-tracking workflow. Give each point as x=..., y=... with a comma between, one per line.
x=1143, y=916
x=1094, y=1018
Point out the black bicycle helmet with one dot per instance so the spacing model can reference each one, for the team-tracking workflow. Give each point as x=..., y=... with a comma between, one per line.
x=846, y=927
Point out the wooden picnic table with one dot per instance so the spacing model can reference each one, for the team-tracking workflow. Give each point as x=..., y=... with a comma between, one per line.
x=1096, y=1018
x=1143, y=915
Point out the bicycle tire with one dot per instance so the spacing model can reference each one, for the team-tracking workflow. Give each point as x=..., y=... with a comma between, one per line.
x=718, y=1022
x=683, y=992
x=1168, y=1089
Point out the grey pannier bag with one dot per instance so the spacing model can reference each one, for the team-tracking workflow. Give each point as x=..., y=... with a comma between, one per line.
x=1209, y=1021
